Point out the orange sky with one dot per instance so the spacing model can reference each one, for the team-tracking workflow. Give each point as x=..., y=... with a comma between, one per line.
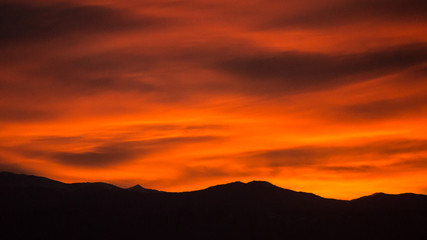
x=325, y=96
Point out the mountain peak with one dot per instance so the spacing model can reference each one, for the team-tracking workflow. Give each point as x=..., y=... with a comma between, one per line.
x=261, y=183
x=232, y=185
x=8, y=179
x=137, y=187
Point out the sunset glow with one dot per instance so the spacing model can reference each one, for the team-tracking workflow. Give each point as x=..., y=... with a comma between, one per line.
x=328, y=97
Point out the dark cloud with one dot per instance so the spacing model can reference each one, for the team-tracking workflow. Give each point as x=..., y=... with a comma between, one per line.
x=305, y=71
x=12, y=114
x=188, y=129
x=59, y=139
x=98, y=72
x=69, y=77
x=350, y=169
x=94, y=159
x=178, y=140
x=14, y=167
x=293, y=157
x=382, y=109
x=337, y=13
x=46, y=74
x=105, y=152
x=119, y=152
x=192, y=173
x=306, y=156
x=25, y=22
x=401, y=166
x=417, y=163
x=395, y=146
x=129, y=70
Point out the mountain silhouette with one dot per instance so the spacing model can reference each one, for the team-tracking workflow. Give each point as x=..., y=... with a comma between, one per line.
x=139, y=188
x=34, y=207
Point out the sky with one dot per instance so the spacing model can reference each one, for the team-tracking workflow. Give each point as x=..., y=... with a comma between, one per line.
x=318, y=96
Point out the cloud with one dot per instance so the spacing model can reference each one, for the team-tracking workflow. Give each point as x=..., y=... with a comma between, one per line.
x=119, y=152
x=411, y=165
x=27, y=22
x=204, y=172
x=382, y=109
x=338, y=13
x=416, y=163
x=58, y=139
x=46, y=73
x=293, y=71
x=292, y=157
x=350, y=169
x=14, y=167
x=98, y=158
x=60, y=79
x=99, y=72
x=13, y=114
x=311, y=156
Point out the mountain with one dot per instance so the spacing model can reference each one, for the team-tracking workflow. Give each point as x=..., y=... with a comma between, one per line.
x=39, y=208
x=139, y=188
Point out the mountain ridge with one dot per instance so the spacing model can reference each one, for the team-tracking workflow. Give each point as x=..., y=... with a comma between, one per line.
x=139, y=188
x=39, y=208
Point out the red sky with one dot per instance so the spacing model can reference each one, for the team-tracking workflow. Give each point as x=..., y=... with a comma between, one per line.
x=319, y=96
